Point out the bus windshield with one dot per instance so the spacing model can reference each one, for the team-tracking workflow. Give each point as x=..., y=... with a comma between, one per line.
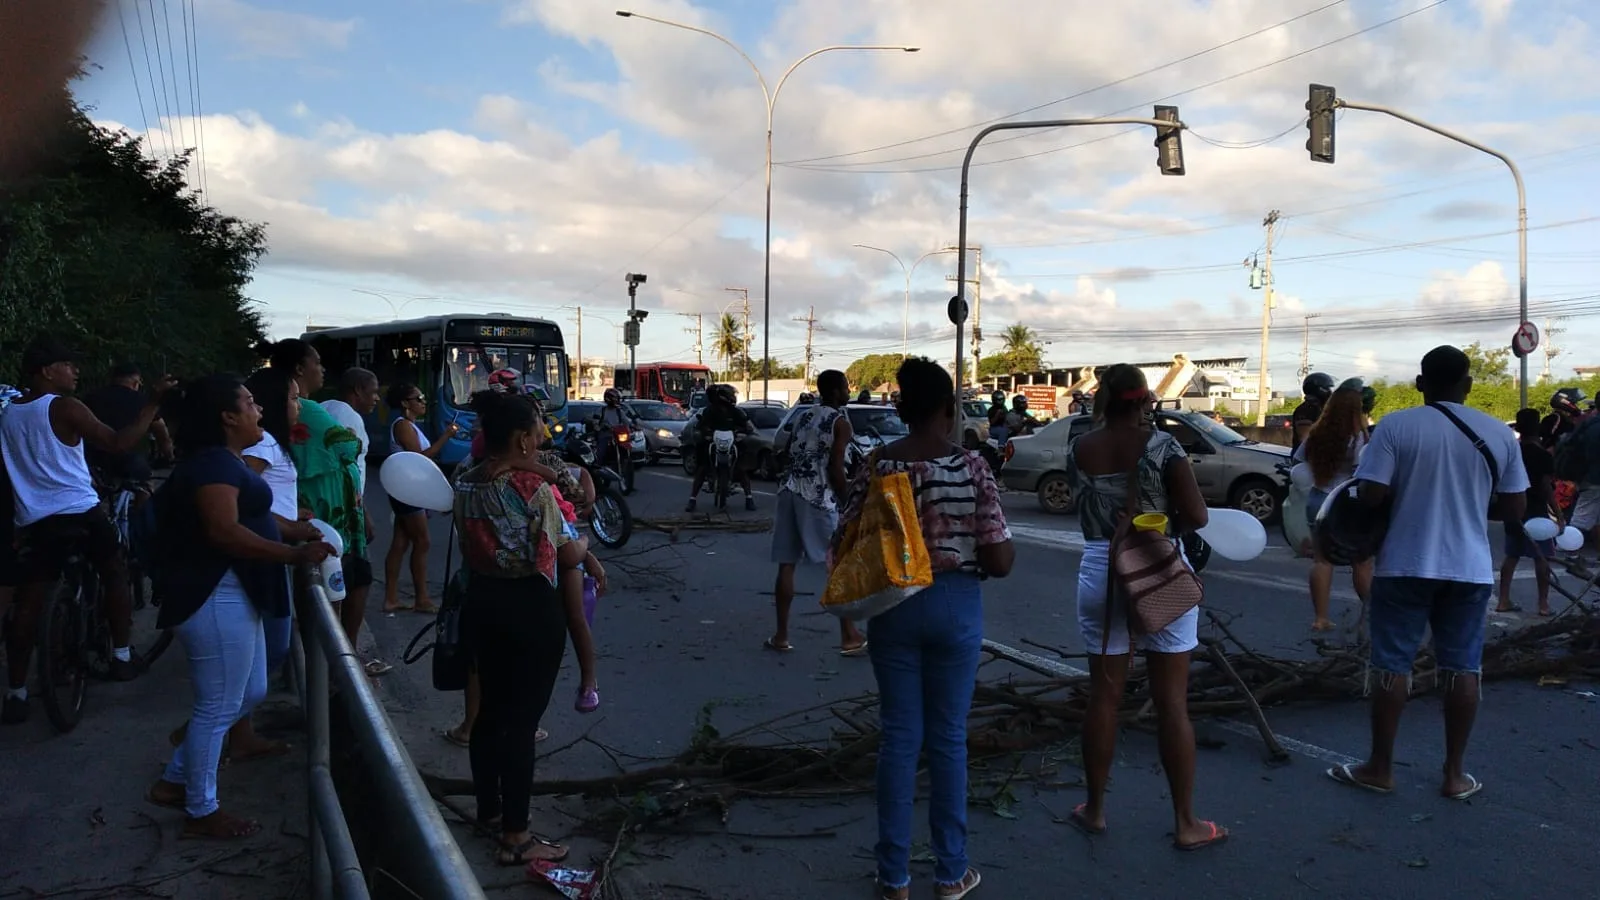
x=468, y=366
x=679, y=383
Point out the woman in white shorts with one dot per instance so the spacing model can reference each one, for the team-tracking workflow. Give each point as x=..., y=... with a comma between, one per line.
x=1098, y=466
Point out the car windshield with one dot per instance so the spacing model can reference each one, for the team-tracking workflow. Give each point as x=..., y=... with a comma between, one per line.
x=1212, y=429
x=656, y=411
x=885, y=421
x=976, y=409
x=764, y=416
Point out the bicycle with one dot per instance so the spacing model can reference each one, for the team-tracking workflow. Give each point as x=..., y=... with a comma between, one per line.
x=127, y=497
x=74, y=640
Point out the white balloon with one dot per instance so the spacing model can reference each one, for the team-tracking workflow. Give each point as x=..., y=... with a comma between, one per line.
x=1300, y=476
x=329, y=536
x=1540, y=528
x=1570, y=539
x=414, y=480
x=1235, y=534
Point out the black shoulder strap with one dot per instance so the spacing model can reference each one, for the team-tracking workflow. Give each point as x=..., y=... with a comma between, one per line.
x=1478, y=442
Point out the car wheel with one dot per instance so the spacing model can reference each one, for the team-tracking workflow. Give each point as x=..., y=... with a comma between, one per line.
x=688, y=462
x=1258, y=497
x=1055, y=494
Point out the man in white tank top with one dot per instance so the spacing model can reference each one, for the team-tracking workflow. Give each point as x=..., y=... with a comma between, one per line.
x=42, y=438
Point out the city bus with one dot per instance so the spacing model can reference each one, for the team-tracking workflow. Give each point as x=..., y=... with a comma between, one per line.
x=450, y=358
x=666, y=381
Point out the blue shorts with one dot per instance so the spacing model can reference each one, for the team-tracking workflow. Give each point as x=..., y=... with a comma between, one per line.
x=1402, y=610
x=1519, y=547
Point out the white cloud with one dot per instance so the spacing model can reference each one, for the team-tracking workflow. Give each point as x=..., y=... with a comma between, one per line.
x=275, y=34
x=1483, y=285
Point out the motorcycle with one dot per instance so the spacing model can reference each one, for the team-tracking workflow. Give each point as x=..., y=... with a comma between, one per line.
x=1293, y=500
x=724, y=456
x=610, y=519
x=622, y=454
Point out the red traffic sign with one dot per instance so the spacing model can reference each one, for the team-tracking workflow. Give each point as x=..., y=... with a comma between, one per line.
x=1526, y=340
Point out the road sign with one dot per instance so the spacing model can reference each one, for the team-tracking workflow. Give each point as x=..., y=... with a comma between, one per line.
x=1526, y=340
x=956, y=309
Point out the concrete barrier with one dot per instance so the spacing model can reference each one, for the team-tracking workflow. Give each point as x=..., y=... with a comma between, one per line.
x=1283, y=436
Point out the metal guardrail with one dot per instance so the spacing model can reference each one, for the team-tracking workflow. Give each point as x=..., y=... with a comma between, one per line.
x=417, y=832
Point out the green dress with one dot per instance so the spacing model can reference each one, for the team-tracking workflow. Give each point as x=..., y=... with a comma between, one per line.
x=325, y=455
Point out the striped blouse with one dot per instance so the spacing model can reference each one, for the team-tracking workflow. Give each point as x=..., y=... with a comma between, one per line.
x=958, y=506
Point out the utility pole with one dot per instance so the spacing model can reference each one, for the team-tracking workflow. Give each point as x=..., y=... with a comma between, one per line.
x=745, y=293
x=977, y=308
x=1305, y=347
x=1264, y=386
x=810, y=319
x=1551, y=351
x=699, y=336
x=577, y=394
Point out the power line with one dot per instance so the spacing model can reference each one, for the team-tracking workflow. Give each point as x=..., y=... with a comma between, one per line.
x=191, y=65
x=1071, y=97
x=850, y=168
x=138, y=92
x=161, y=66
x=166, y=17
x=150, y=75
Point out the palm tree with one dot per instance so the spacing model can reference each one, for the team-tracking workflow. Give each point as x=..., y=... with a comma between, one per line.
x=727, y=341
x=1020, y=339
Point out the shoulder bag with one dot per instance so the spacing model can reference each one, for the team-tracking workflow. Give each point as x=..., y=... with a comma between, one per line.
x=1148, y=570
x=1488, y=457
x=882, y=558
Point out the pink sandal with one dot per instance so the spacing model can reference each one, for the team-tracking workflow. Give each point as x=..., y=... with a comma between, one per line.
x=588, y=700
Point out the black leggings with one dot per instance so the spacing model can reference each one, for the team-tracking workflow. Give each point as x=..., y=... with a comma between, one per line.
x=517, y=629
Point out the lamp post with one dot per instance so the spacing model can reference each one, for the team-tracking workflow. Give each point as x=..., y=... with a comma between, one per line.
x=905, y=315
x=772, y=99
x=385, y=298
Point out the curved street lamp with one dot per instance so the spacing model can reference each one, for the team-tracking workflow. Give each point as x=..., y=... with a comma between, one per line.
x=905, y=315
x=772, y=99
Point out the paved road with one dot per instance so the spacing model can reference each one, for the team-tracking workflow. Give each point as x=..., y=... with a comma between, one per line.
x=683, y=633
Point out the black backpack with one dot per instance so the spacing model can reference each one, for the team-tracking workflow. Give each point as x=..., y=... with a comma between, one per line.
x=1572, y=453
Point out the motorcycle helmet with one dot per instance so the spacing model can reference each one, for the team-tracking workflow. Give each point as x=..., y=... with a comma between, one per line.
x=1566, y=400
x=1352, y=384
x=1317, y=387
x=998, y=398
x=1369, y=399
x=805, y=398
x=1019, y=402
x=504, y=381
x=612, y=395
x=725, y=393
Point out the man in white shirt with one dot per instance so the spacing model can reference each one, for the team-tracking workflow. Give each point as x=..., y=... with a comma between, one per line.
x=357, y=398
x=1435, y=567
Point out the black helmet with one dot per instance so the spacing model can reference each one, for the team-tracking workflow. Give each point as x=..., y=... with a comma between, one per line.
x=805, y=398
x=725, y=393
x=1318, y=386
x=1566, y=400
x=1369, y=399
x=1020, y=401
x=998, y=398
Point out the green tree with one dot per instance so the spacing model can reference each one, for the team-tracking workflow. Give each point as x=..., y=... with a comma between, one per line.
x=872, y=370
x=1488, y=365
x=727, y=342
x=771, y=368
x=1020, y=352
x=110, y=250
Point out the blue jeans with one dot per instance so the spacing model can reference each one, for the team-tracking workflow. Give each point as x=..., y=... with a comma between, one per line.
x=277, y=633
x=1402, y=609
x=228, y=671
x=925, y=656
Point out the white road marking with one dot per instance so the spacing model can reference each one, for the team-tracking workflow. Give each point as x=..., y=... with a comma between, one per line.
x=1303, y=748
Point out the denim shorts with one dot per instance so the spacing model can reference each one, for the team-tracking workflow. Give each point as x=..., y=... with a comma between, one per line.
x=1403, y=609
x=1518, y=546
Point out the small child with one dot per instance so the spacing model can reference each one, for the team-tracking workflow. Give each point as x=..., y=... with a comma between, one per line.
x=573, y=563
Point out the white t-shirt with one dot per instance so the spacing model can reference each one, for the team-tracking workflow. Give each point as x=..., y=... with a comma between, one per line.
x=345, y=415
x=1440, y=486
x=280, y=475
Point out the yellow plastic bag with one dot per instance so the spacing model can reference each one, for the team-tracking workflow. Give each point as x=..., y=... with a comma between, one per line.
x=882, y=558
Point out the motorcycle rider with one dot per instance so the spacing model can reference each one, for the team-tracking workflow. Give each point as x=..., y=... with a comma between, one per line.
x=1317, y=388
x=722, y=413
x=997, y=417
x=1018, y=421
x=1079, y=404
x=1565, y=411
x=611, y=417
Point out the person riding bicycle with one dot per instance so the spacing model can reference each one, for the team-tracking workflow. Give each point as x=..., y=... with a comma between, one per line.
x=722, y=413
x=42, y=440
x=119, y=403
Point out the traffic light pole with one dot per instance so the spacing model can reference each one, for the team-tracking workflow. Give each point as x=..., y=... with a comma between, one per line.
x=1522, y=212
x=1170, y=158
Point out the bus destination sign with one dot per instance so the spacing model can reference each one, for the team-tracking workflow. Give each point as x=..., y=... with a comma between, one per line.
x=471, y=331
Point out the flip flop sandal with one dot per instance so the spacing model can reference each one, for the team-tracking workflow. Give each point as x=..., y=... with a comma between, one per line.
x=1513, y=608
x=541, y=735
x=1344, y=776
x=454, y=737
x=1219, y=835
x=775, y=646
x=1474, y=786
x=152, y=797
x=231, y=828
x=1081, y=822
x=376, y=667
x=518, y=855
x=859, y=650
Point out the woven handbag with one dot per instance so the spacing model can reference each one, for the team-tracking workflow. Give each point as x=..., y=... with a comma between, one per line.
x=1149, y=571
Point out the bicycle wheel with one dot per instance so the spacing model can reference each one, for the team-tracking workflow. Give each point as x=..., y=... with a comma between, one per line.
x=63, y=657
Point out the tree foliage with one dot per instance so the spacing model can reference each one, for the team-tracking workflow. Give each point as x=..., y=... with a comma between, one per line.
x=1020, y=352
x=1494, y=387
x=771, y=368
x=111, y=251
x=872, y=370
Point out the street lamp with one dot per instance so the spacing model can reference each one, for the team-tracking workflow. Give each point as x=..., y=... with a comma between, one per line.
x=771, y=98
x=905, y=315
x=385, y=298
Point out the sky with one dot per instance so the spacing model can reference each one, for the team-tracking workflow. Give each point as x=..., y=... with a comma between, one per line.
x=432, y=156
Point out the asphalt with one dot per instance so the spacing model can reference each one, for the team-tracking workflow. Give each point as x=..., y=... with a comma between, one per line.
x=680, y=637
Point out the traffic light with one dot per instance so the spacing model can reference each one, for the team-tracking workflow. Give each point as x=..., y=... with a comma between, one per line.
x=1320, y=108
x=630, y=333
x=1169, y=142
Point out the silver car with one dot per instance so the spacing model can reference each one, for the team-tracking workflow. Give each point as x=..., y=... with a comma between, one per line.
x=1232, y=470
x=661, y=423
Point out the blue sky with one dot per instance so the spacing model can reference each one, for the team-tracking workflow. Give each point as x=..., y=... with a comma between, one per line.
x=522, y=156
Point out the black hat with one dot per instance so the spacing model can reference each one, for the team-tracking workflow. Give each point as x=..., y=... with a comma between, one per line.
x=44, y=351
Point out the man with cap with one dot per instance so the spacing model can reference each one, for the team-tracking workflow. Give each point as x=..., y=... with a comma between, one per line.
x=42, y=440
x=119, y=404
